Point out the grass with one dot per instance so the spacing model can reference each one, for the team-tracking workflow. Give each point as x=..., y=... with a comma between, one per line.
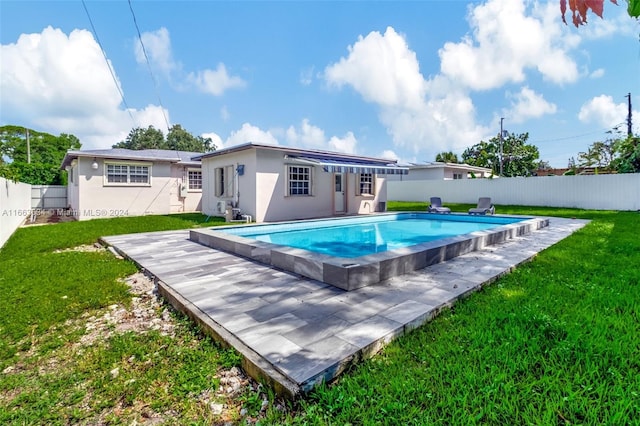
x=45, y=287
x=48, y=293
x=555, y=342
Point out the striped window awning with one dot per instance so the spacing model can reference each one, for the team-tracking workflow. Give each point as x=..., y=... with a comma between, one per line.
x=335, y=165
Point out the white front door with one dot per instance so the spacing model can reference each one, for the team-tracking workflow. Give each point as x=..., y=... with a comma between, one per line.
x=339, y=204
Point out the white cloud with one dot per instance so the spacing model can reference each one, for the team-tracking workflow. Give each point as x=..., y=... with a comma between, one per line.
x=346, y=144
x=312, y=137
x=309, y=136
x=597, y=73
x=215, y=138
x=157, y=45
x=528, y=104
x=419, y=114
x=388, y=154
x=60, y=83
x=249, y=133
x=382, y=69
x=306, y=136
x=215, y=82
x=505, y=42
x=602, y=110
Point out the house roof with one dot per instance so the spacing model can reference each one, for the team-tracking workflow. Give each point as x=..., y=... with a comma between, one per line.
x=172, y=156
x=455, y=166
x=328, y=160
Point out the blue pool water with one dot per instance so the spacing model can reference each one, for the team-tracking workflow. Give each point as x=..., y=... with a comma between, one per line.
x=355, y=237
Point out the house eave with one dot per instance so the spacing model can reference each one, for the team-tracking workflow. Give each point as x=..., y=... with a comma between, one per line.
x=294, y=152
x=114, y=155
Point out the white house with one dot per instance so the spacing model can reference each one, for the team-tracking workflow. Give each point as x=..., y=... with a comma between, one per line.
x=275, y=183
x=123, y=182
x=442, y=171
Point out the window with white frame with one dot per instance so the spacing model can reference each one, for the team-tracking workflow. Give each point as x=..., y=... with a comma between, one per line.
x=366, y=184
x=134, y=174
x=195, y=180
x=223, y=181
x=298, y=180
x=457, y=176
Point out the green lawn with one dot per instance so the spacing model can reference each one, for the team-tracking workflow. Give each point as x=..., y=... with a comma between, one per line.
x=555, y=342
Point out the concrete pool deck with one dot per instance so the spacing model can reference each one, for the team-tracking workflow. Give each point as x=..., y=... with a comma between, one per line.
x=295, y=332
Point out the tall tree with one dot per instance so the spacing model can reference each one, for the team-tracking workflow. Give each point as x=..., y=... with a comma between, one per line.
x=518, y=157
x=628, y=155
x=447, y=157
x=177, y=138
x=37, y=162
x=599, y=155
x=139, y=138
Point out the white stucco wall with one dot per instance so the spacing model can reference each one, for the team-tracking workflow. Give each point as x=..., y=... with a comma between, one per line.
x=263, y=193
x=98, y=199
x=244, y=193
x=15, y=207
x=182, y=201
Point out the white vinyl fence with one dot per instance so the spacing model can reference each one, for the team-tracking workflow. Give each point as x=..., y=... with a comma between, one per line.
x=15, y=207
x=48, y=197
x=597, y=192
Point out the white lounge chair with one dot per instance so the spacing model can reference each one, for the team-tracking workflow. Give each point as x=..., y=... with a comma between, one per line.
x=484, y=206
x=437, y=207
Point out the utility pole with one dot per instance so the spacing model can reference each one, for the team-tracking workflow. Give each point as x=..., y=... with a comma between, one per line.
x=629, y=132
x=501, y=120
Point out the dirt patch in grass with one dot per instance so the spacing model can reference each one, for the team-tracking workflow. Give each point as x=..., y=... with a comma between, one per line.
x=140, y=317
x=146, y=312
x=49, y=216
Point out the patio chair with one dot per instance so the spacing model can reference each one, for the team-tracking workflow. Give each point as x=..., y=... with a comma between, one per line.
x=437, y=207
x=484, y=206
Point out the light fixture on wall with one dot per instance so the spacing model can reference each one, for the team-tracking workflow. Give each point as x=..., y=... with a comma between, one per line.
x=94, y=165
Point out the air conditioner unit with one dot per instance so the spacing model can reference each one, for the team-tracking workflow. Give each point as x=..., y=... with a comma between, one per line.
x=222, y=207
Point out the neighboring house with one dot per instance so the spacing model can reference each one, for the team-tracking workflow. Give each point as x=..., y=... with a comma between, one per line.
x=124, y=182
x=274, y=183
x=443, y=171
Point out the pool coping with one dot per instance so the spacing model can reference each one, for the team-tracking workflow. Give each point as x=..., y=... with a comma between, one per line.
x=353, y=273
x=294, y=333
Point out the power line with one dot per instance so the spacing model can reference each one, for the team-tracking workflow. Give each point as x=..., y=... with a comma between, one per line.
x=104, y=55
x=146, y=57
x=577, y=136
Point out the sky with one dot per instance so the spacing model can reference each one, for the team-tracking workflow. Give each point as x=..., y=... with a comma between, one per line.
x=403, y=80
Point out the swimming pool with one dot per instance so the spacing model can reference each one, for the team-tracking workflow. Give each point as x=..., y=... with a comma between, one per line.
x=364, y=236
x=365, y=250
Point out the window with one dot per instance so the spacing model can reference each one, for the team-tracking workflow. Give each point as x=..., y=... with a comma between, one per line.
x=366, y=184
x=299, y=180
x=223, y=181
x=195, y=180
x=127, y=174
x=138, y=174
x=457, y=176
